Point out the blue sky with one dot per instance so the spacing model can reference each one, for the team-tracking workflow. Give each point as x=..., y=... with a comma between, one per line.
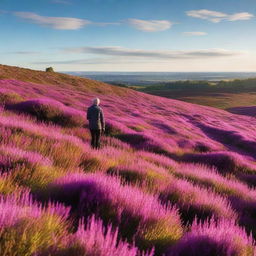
x=129, y=35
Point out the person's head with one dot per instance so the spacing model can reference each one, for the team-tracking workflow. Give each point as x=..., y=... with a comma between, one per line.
x=96, y=101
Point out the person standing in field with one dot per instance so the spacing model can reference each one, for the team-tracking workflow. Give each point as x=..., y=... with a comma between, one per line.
x=96, y=120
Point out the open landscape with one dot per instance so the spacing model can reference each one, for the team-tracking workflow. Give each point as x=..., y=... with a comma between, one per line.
x=222, y=94
x=172, y=178
x=234, y=92
x=127, y=128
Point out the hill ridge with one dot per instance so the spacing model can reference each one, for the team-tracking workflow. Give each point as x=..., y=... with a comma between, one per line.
x=164, y=165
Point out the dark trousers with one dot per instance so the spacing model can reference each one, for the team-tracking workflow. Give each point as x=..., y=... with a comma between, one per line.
x=95, y=142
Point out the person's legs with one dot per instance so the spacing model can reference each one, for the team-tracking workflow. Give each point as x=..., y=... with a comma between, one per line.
x=97, y=138
x=93, y=138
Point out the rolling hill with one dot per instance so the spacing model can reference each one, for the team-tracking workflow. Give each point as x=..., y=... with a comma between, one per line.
x=171, y=178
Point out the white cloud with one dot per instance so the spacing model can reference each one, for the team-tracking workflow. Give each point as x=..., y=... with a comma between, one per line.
x=150, y=25
x=155, y=54
x=62, y=23
x=195, y=33
x=217, y=17
x=240, y=16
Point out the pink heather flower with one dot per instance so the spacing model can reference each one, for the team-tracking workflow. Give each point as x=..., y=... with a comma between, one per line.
x=216, y=238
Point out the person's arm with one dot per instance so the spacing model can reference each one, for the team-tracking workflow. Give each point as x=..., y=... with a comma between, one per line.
x=88, y=114
x=102, y=120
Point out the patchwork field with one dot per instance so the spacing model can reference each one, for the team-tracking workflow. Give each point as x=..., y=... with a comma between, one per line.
x=172, y=178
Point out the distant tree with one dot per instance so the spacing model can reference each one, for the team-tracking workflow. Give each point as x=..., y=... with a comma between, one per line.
x=49, y=69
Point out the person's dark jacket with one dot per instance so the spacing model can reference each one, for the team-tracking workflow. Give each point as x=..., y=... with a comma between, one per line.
x=96, y=118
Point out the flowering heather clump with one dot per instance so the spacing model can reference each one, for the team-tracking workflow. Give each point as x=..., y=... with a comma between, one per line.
x=196, y=201
x=23, y=124
x=216, y=238
x=159, y=160
x=50, y=110
x=232, y=138
x=95, y=239
x=113, y=142
x=108, y=157
x=209, y=177
x=7, y=185
x=135, y=212
x=114, y=128
x=227, y=162
x=143, y=174
x=27, y=227
x=191, y=199
x=8, y=96
x=24, y=157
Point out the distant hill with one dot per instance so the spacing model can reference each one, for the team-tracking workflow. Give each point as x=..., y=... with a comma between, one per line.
x=164, y=169
x=223, y=94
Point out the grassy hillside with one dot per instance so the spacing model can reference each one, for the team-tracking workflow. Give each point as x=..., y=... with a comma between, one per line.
x=223, y=94
x=171, y=178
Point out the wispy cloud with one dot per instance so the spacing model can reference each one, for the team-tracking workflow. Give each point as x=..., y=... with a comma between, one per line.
x=87, y=61
x=61, y=23
x=240, y=16
x=61, y=2
x=150, y=25
x=217, y=17
x=195, y=33
x=167, y=54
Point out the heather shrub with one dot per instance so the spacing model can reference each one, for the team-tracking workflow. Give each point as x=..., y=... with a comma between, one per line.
x=28, y=168
x=79, y=132
x=7, y=186
x=158, y=159
x=95, y=239
x=234, y=138
x=215, y=238
x=8, y=97
x=107, y=157
x=90, y=164
x=225, y=162
x=210, y=178
x=133, y=138
x=143, y=142
x=112, y=128
x=135, y=212
x=6, y=163
x=27, y=227
x=45, y=109
x=191, y=199
x=37, y=177
x=194, y=201
x=61, y=153
x=12, y=157
x=142, y=174
x=115, y=143
x=23, y=125
x=66, y=154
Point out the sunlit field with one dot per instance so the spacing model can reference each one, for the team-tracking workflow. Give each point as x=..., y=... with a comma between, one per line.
x=232, y=95
x=172, y=178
